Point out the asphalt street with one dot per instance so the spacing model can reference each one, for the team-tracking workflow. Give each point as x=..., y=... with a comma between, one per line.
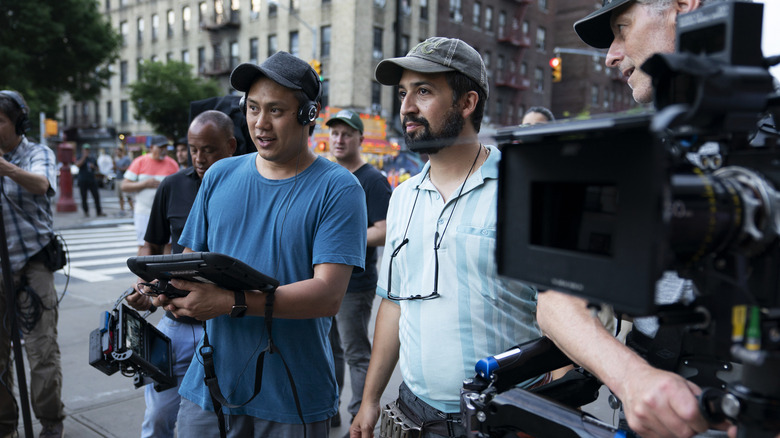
x=98, y=405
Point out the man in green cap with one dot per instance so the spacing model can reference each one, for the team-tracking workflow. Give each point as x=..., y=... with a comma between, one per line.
x=349, y=334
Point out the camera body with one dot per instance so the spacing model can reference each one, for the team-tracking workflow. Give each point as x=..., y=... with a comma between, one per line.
x=603, y=208
x=126, y=342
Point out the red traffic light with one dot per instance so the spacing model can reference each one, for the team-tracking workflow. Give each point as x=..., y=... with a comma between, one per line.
x=555, y=62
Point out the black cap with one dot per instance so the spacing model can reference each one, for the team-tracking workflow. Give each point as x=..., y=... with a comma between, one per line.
x=158, y=140
x=594, y=29
x=284, y=69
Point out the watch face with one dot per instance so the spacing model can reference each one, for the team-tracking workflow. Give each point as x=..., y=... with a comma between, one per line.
x=238, y=311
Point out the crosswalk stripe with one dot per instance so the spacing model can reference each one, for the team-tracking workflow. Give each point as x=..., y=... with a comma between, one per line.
x=100, y=253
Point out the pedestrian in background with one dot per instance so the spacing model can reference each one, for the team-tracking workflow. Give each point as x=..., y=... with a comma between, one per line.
x=29, y=174
x=182, y=153
x=537, y=114
x=121, y=164
x=87, y=179
x=142, y=178
x=349, y=336
x=210, y=139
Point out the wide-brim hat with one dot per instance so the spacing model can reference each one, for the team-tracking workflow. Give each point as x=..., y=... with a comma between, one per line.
x=595, y=30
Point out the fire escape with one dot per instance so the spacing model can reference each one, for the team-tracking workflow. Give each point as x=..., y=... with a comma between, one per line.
x=511, y=36
x=225, y=23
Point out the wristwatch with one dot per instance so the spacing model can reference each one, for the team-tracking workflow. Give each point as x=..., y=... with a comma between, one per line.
x=239, y=308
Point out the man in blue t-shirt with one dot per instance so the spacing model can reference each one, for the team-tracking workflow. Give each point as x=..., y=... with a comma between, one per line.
x=293, y=216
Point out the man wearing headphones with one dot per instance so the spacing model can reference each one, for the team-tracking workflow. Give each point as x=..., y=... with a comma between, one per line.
x=293, y=216
x=29, y=174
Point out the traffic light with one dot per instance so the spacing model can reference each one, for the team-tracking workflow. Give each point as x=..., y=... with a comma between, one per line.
x=555, y=63
x=317, y=66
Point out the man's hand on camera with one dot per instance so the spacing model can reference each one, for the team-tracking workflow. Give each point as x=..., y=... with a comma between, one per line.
x=662, y=404
x=204, y=302
x=137, y=300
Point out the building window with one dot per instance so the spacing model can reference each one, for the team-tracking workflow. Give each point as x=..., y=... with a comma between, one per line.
x=155, y=27
x=254, y=9
x=140, y=34
x=526, y=27
x=295, y=5
x=523, y=69
x=325, y=41
x=539, y=80
x=541, y=37
x=272, y=9
x=273, y=44
x=476, y=17
x=486, y=59
x=325, y=97
x=379, y=3
x=542, y=5
x=594, y=96
x=139, y=67
x=219, y=12
x=171, y=22
x=404, y=44
x=108, y=5
x=234, y=57
x=456, y=13
x=377, y=53
x=376, y=95
x=201, y=60
x=294, y=43
x=124, y=29
x=423, y=9
x=489, y=18
x=186, y=20
x=155, y=58
x=109, y=113
x=597, y=63
x=501, y=24
x=123, y=74
x=254, y=50
x=202, y=11
x=510, y=115
x=168, y=56
x=500, y=64
x=110, y=79
x=185, y=56
x=124, y=108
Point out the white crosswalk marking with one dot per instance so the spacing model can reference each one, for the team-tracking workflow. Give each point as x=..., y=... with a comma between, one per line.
x=99, y=254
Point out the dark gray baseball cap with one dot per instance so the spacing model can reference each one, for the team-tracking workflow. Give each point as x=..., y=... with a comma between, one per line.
x=284, y=69
x=594, y=29
x=436, y=55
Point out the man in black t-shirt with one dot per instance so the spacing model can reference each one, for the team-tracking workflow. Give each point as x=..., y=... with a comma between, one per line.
x=210, y=139
x=349, y=335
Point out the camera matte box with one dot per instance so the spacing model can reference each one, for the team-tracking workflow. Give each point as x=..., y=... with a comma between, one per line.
x=580, y=209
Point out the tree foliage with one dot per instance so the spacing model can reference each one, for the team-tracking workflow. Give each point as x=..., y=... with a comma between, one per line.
x=163, y=93
x=51, y=47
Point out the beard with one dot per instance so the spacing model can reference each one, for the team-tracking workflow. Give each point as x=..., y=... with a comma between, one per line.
x=428, y=142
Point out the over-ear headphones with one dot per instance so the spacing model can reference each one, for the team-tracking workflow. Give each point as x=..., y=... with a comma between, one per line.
x=307, y=112
x=23, y=121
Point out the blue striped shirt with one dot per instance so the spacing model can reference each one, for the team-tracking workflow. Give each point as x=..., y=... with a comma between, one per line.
x=28, y=217
x=478, y=314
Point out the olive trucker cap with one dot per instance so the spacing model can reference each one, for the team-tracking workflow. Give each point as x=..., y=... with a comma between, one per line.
x=436, y=55
x=351, y=118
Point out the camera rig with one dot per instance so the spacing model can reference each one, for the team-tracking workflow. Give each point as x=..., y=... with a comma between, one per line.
x=126, y=342
x=602, y=208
